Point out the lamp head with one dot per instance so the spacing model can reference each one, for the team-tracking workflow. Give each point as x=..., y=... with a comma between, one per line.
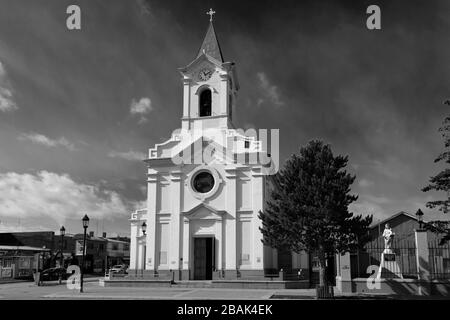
x=85, y=221
x=419, y=215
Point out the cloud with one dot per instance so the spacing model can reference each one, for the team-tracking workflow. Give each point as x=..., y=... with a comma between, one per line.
x=368, y=208
x=45, y=141
x=141, y=107
x=270, y=91
x=144, y=7
x=365, y=183
x=56, y=197
x=7, y=103
x=19, y=228
x=130, y=155
x=379, y=206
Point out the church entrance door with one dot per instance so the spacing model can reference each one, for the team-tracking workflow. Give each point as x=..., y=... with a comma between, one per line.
x=203, y=258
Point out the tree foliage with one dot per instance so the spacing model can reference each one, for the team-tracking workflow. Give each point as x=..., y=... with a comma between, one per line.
x=308, y=208
x=441, y=182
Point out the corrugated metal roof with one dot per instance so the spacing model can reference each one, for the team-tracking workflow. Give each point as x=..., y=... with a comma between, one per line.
x=23, y=248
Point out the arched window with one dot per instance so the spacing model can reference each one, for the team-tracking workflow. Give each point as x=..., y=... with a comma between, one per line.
x=205, y=103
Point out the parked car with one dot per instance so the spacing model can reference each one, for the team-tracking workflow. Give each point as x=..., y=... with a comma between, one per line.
x=120, y=268
x=53, y=274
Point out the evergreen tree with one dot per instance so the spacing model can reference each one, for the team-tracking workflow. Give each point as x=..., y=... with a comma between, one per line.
x=441, y=182
x=308, y=209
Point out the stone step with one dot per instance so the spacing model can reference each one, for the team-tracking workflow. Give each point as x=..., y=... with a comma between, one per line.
x=193, y=284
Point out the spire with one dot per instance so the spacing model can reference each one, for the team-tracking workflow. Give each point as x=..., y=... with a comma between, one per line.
x=210, y=44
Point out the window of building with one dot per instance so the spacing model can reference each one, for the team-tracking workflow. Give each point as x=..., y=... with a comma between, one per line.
x=203, y=182
x=247, y=144
x=205, y=103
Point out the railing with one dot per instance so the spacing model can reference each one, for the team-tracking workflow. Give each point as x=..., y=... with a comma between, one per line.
x=439, y=258
x=405, y=252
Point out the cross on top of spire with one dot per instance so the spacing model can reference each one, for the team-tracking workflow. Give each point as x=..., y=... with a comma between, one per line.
x=210, y=13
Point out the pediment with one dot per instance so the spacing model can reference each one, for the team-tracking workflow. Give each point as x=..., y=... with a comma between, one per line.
x=203, y=150
x=204, y=211
x=200, y=61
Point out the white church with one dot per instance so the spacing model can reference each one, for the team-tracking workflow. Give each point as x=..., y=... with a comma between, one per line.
x=206, y=186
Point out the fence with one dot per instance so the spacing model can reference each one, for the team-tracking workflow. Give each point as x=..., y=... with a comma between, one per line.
x=439, y=260
x=405, y=251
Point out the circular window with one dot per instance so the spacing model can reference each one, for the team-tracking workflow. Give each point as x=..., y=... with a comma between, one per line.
x=203, y=182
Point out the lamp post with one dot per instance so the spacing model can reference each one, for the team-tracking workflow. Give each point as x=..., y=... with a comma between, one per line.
x=40, y=281
x=144, y=228
x=85, y=226
x=144, y=231
x=62, y=232
x=419, y=215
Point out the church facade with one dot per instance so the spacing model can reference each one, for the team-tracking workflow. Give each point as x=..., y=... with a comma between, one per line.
x=206, y=186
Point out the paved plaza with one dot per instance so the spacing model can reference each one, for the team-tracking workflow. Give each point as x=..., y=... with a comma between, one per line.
x=93, y=291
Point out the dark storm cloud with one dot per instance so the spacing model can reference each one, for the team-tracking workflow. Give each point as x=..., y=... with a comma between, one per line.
x=310, y=68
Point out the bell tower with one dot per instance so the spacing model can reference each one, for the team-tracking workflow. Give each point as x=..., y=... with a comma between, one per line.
x=210, y=86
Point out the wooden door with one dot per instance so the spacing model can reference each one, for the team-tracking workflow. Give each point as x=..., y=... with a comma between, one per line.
x=203, y=258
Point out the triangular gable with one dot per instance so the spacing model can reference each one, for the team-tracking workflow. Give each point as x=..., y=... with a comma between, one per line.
x=204, y=211
x=202, y=58
x=186, y=150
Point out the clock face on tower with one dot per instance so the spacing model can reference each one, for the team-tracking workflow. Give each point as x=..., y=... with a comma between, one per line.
x=205, y=74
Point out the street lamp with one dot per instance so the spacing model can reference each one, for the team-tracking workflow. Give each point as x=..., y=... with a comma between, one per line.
x=62, y=232
x=40, y=281
x=419, y=215
x=144, y=228
x=85, y=226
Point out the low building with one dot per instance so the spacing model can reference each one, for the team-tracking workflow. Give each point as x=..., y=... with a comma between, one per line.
x=95, y=253
x=118, y=252
x=70, y=245
x=21, y=261
x=403, y=224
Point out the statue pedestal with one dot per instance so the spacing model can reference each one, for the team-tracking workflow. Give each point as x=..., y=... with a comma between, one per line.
x=389, y=268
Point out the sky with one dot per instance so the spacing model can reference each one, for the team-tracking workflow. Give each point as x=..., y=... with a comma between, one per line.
x=80, y=108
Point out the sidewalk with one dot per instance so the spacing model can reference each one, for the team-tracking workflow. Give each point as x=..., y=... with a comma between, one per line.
x=52, y=290
x=6, y=281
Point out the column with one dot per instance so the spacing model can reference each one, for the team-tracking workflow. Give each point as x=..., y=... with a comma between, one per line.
x=218, y=249
x=257, y=205
x=175, y=245
x=152, y=181
x=186, y=248
x=230, y=224
x=186, y=102
x=344, y=277
x=423, y=262
x=223, y=98
x=133, y=244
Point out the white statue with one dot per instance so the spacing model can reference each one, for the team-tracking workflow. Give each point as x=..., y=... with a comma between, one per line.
x=388, y=236
x=388, y=264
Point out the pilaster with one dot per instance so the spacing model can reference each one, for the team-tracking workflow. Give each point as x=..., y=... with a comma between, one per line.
x=257, y=205
x=152, y=181
x=423, y=262
x=175, y=226
x=231, y=219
